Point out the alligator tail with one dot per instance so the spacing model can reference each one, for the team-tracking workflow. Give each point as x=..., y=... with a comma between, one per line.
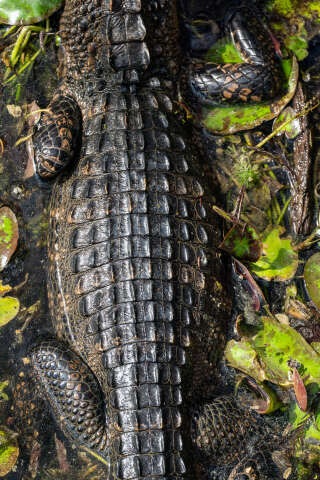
x=144, y=409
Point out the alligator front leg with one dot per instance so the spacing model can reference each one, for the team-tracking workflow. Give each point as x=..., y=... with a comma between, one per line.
x=56, y=136
x=258, y=78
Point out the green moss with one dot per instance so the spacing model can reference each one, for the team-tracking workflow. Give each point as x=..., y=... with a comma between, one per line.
x=9, y=308
x=295, y=8
x=266, y=354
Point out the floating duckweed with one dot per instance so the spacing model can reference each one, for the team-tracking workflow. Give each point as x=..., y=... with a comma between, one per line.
x=26, y=12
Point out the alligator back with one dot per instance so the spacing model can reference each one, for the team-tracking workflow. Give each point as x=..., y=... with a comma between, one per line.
x=135, y=277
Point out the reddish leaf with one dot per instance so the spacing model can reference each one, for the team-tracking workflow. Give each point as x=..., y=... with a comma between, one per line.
x=299, y=390
x=250, y=284
x=62, y=455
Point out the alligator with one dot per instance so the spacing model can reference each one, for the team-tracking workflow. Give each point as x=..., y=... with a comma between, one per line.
x=137, y=288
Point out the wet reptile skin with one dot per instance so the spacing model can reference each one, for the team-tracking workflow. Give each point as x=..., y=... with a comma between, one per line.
x=137, y=288
x=135, y=276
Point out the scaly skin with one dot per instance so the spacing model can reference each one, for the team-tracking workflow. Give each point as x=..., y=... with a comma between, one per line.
x=135, y=276
x=137, y=289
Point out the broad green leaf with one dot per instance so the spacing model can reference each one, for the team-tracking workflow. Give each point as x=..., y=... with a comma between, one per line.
x=9, y=308
x=242, y=356
x=266, y=352
x=280, y=260
x=27, y=12
x=9, y=234
x=312, y=278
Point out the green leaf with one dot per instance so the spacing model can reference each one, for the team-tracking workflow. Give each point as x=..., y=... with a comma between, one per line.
x=279, y=261
x=312, y=278
x=4, y=289
x=27, y=12
x=298, y=44
x=9, y=308
x=3, y=385
x=242, y=356
x=9, y=234
x=226, y=120
x=266, y=352
x=9, y=451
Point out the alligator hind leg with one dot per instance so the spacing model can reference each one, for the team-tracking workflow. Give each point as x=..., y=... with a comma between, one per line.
x=69, y=387
x=56, y=136
x=230, y=439
x=258, y=78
